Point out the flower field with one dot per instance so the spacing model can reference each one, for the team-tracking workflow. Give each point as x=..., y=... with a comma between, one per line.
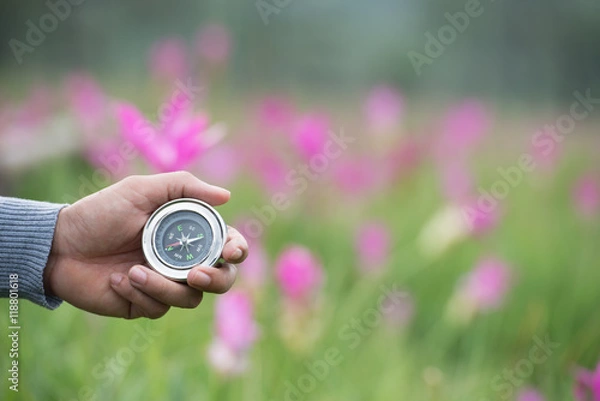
x=400, y=249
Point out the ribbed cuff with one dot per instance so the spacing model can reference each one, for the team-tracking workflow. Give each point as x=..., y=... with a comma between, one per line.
x=26, y=233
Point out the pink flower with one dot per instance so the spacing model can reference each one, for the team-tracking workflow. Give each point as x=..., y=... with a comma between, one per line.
x=587, y=385
x=466, y=123
x=106, y=154
x=480, y=222
x=358, y=175
x=457, y=181
x=310, y=134
x=235, y=333
x=298, y=272
x=483, y=223
x=253, y=271
x=220, y=165
x=486, y=286
x=404, y=158
x=586, y=196
x=213, y=43
x=234, y=321
x=94, y=113
x=373, y=242
x=37, y=108
x=383, y=108
x=530, y=394
x=462, y=128
x=88, y=102
x=169, y=60
x=173, y=145
x=275, y=113
x=272, y=171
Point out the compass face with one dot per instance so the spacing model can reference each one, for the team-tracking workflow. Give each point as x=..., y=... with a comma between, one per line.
x=182, y=234
x=183, y=239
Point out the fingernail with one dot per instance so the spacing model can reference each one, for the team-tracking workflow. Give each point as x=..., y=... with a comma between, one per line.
x=237, y=254
x=115, y=279
x=201, y=279
x=138, y=276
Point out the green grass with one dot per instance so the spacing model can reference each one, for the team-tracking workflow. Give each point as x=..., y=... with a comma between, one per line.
x=63, y=354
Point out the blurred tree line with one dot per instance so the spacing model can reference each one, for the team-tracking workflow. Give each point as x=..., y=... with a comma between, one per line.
x=533, y=49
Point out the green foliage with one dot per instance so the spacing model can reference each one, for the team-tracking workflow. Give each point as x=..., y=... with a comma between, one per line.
x=65, y=354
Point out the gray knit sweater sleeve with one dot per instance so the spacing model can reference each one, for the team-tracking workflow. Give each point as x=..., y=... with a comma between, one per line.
x=26, y=233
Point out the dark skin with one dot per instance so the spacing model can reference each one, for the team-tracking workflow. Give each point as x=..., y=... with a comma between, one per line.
x=97, y=264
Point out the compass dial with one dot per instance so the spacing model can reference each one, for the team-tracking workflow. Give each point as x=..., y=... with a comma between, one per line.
x=185, y=239
x=182, y=234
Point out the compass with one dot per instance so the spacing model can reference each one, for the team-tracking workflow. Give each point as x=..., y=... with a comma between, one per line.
x=182, y=234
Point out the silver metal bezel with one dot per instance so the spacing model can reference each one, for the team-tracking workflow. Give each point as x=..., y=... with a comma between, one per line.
x=215, y=221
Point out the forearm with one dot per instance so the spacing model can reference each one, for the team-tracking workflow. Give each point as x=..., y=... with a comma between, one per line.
x=26, y=234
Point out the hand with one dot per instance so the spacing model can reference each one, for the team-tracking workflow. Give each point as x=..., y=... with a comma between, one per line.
x=97, y=263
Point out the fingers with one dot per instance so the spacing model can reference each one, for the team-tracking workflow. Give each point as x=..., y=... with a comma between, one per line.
x=220, y=279
x=164, y=290
x=151, y=295
x=217, y=280
x=236, y=247
x=162, y=188
x=141, y=305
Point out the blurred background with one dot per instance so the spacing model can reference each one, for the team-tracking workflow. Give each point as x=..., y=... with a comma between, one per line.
x=419, y=182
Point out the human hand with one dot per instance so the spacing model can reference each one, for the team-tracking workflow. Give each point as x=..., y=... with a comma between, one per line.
x=97, y=263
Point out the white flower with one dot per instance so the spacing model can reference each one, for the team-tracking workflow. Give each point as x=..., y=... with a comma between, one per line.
x=445, y=228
